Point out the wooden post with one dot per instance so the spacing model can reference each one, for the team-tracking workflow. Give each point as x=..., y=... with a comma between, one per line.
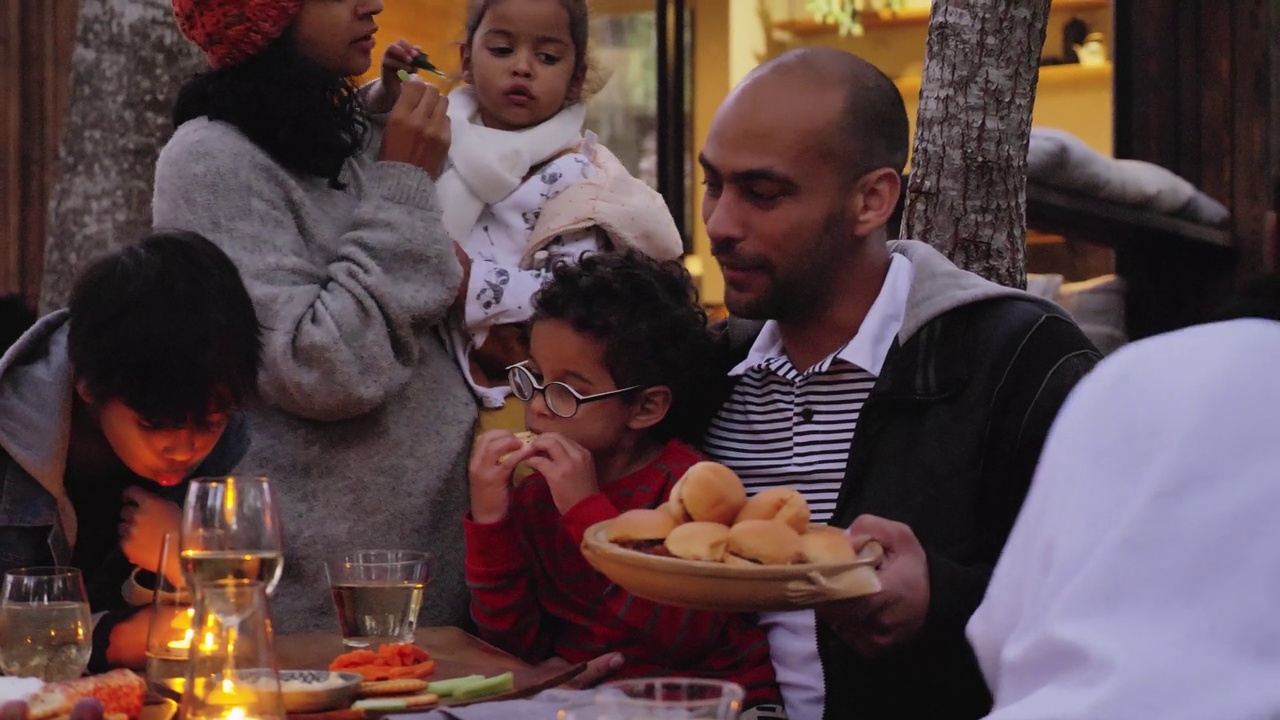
x=36, y=37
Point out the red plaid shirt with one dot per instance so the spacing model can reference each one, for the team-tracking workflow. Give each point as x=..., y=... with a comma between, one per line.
x=534, y=595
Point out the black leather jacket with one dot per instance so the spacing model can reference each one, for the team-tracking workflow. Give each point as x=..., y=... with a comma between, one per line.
x=947, y=444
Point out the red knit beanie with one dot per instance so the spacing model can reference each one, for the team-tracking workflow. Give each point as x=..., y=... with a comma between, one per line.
x=232, y=31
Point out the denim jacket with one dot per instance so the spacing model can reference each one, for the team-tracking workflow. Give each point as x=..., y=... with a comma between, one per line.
x=37, y=522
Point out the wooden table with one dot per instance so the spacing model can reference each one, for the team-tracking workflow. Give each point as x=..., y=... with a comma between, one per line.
x=455, y=652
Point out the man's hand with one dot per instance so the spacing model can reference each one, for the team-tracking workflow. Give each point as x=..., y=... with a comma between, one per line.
x=494, y=457
x=874, y=624
x=144, y=520
x=568, y=467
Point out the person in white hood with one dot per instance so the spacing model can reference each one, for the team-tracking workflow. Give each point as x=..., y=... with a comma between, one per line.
x=1142, y=576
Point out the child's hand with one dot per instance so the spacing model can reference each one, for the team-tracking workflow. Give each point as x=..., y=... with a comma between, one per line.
x=568, y=467
x=383, y=96
x=493, y=459
x=144, y=520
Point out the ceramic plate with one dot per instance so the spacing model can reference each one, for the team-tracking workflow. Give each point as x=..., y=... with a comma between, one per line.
x=163, y=710
x=307, y=691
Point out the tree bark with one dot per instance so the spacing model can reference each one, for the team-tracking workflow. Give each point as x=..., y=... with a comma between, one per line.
x=128, y=65
x=967, y=192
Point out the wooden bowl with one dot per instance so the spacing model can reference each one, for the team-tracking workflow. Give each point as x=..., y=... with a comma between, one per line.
x=730, y=588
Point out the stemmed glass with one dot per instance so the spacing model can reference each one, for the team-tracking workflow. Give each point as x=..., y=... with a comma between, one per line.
x=665, y=698
x=232, y=672
x=46, y=630
x=231, y=531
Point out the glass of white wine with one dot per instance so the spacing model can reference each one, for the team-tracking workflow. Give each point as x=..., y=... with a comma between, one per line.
x=231, y=531
x=378, y=594
x=46, y=629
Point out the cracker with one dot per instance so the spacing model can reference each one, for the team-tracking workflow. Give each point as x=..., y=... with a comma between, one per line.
x=423, y=700
x=391, y=704
x=384, y=688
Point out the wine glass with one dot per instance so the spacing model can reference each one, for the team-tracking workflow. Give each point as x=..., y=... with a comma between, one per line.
x=667, y=698
x=231, y=531
x=46, y=629
x=377, y=594
x=232, y=673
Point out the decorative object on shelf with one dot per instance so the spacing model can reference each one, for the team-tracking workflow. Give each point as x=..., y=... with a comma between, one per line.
x=1073, y=35
x=847, y=14
x=1093, y=51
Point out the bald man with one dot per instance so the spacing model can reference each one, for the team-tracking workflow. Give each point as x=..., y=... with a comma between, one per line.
x=905, y=398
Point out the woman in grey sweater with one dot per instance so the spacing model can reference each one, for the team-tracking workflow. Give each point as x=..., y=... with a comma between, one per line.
x=333, y=222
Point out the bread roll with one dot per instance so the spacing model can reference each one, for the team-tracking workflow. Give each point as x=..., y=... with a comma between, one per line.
x=766, y=542
x=709, y=492
x=827, y=545
x=784, y=504
x=639, y=525
x=698, y=541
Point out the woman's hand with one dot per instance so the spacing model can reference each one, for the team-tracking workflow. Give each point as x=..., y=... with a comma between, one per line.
x=384, y=94
x=418, y=128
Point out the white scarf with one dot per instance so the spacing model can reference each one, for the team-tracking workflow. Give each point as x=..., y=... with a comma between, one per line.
x=486, y=165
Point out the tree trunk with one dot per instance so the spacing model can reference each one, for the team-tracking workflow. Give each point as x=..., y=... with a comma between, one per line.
x=967, y=192
x=128, y=64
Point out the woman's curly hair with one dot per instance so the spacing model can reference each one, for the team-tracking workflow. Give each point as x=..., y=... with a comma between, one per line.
x=303, y=117
x=646, y=313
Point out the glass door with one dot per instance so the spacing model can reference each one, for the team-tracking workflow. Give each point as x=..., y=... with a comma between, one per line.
x=642, y=112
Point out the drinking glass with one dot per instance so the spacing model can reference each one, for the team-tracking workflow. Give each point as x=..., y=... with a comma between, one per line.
x=169, y=633
x=46, y=629
x=232, y=672
x=377, y=594
x=231, y=530
x=667, y=698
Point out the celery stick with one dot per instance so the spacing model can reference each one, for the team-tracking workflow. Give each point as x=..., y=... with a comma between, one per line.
x=489, y=686
x=446, y=687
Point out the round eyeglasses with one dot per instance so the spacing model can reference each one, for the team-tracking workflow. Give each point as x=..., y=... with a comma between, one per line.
x=561, y=399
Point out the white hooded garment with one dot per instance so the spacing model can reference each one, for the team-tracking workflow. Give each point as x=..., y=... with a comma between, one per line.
x=1142, y=579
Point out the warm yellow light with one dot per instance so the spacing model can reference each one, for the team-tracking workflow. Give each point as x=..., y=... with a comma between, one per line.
x=182, y=621
x=235, y=714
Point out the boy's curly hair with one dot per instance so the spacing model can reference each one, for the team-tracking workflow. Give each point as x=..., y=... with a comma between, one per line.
x=646, y=312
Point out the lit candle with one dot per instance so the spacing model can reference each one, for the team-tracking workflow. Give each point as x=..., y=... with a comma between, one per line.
x=182, y=621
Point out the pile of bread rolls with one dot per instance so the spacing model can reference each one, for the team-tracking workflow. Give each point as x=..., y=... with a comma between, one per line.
x=709, y=518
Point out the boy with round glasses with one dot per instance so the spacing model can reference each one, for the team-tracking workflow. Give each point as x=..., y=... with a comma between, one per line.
x=613, y=389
